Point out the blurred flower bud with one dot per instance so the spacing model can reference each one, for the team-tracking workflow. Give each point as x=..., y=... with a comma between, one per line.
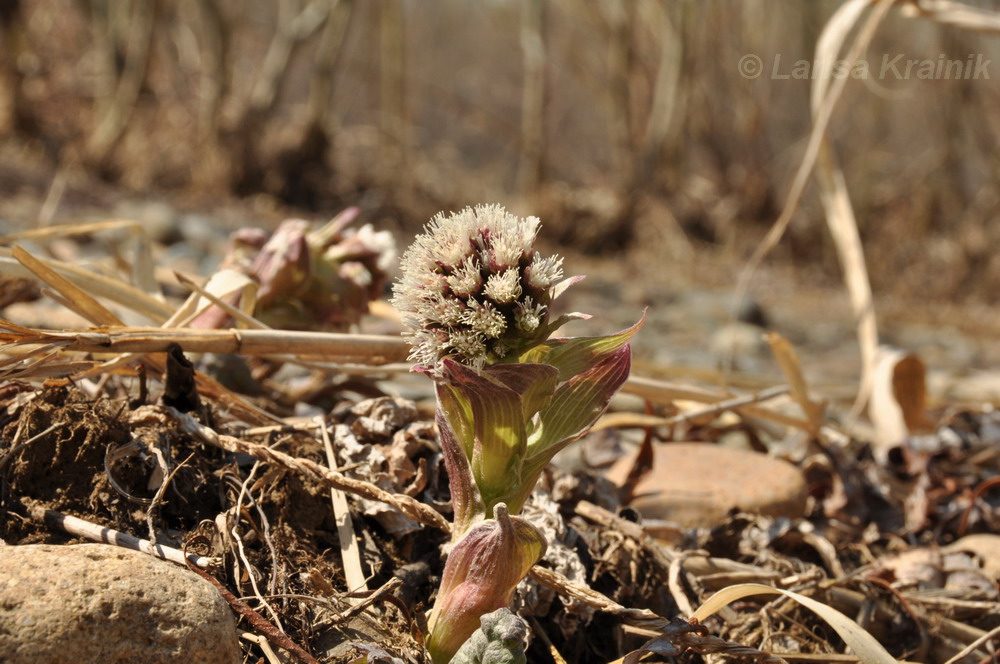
x=311, y=279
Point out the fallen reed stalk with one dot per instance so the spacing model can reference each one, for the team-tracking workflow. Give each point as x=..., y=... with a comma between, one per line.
x=362, y=348
x=98, y=533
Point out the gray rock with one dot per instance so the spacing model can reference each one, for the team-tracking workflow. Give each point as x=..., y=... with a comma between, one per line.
x=203, y=234
x=99, y=603
x=160, y=220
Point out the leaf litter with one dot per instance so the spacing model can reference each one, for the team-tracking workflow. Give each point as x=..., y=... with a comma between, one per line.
x=145, y=437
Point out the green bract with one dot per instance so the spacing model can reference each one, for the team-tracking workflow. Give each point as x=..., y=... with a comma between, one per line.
x=509, y=420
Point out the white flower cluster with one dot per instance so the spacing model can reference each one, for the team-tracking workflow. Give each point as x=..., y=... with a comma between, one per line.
x=472, y=287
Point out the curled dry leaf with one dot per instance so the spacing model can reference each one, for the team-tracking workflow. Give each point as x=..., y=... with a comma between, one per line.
x=864, y=645
x=898, y=401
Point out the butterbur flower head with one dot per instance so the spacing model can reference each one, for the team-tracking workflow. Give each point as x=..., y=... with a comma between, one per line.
x=284, y=262
x=473, y=288
x=543, y=272
x=528, y=316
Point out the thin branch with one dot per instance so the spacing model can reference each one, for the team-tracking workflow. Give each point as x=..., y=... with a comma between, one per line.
x=96, y=533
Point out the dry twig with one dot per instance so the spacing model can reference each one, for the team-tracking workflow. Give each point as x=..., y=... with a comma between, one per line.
x=361, y=348
x=96, y=533
x=270, y=631
x=349, y=552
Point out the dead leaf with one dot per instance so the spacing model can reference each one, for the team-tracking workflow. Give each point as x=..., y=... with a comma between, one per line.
x=898, y=401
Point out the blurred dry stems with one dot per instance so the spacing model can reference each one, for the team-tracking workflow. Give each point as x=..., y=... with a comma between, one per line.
x=621, y=124
x=834, y=194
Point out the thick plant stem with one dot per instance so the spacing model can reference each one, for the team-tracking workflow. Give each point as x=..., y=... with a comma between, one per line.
x=465, y=499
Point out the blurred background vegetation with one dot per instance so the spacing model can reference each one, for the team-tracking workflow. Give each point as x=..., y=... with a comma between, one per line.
x=624, y=124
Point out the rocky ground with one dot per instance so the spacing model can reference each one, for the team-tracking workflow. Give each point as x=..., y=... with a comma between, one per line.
x=671, y=498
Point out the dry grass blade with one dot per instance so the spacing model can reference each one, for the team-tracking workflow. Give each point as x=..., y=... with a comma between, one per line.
x=143, y=267
x=96, y=285
x=954, y=13
x=65, y=303
x=350, y=554
x=663, y=392
x=788, y=360
x=67, y=230
x=823, y=105
x=142, y=264
x=100, y=340
x=851, y=601
x=660, y=392
x=16, y=329
x=43, y=368
x=833, y=190
x=79, y=300
x=861, y=642
x=824, y=93
x=213, y=292
x=844, y=229
x=619, y=420
x=27, y=352
x=18, y=338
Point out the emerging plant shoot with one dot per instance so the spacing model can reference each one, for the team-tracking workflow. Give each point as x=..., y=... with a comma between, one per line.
x=476, y=299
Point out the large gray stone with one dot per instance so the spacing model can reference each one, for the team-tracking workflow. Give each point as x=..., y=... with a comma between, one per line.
x=99, y=603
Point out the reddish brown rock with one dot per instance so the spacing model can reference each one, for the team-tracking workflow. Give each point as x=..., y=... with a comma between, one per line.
x=696, y=484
